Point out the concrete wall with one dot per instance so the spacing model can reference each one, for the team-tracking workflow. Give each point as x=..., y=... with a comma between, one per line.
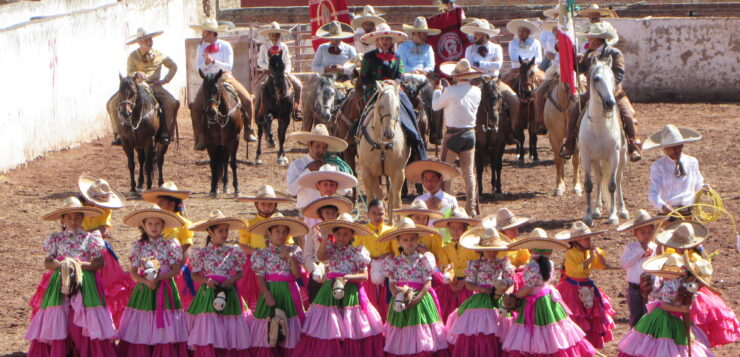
x=13, y=14
x=62, y=70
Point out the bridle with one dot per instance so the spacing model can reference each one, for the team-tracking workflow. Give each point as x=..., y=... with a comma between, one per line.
x=218, y=118
x=127, y=120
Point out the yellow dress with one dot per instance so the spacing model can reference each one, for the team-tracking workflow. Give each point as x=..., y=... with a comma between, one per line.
x=371, y=242
x=455, y=254
x=92, y=223
x=183, y=234
x=517, y=258
x=255, y=241
x=574, y=259
x=431, y=242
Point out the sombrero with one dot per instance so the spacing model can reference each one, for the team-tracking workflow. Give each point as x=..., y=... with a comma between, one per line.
x=209, y=25
x=383, y=30
x=671, y=135
x=327, y=172
x=99, y=192
x=514, y=25
x=321, y=134
x=267, y=194
x=538, y=239
x=549, y=25
x=368, y=15
x=552, y=13
x=594, y=8
x=141, y=34
x=642, y=218
x=578, y=230
x=460, y=69
x=458, y=215
x=343, y=205
x=344, y=221
x=415, y=169
x=468, y=20
x=72, y=205
x=273, y=27
x=485, y=237
x=601, y=30
x=217, y=217
x=167, y=189
x=505, y=219
x=420, y=25
x=665, y=266
x=418, y=207
x=335, y=30
x=480, y=25
x=406, y=226
x=296, y=226
x=682, y=234
x=136, y=218
x=702, y=270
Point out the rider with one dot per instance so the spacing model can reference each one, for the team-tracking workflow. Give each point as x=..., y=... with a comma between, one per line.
x=547, y=38
x=598, y=37
x=594, y=14
x=331, y=56
x=416, y=54
x=215, y=55
x=523, y=47
x=365, y=24
x=274, y=33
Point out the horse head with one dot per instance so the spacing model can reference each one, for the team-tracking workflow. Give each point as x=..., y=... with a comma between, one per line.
x=526, y=78
x=212, y=99
x=388, y=109
x=276, y=66
x=128, y=91
x=602, y=81
x=325, y=99
x=491, y=103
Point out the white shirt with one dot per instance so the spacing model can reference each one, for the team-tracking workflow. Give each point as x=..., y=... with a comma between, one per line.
x=323, y=58
x=548, y=42
x=665, y=187
x=460, y=103
x=296, y=169
x=446, y=200
x=632, y=258
x=491, y=63
x=531, y=48
x=263, y=57
x=359, y=45
x=223, y=59
x=310, y=245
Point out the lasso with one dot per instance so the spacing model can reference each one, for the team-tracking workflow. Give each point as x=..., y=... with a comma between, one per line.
x=706, y=212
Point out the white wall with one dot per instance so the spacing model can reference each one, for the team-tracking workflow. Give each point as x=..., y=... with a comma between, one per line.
x=60, y=71
x=16, y=13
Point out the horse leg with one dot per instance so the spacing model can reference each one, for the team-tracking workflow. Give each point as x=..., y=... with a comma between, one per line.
x=258, y=155
x=161, y=150
x=577, y=182
x=555, y=144
x=128, y=148
x=234, y=152
x=479, y=166
x=612, y=167
x=270, y=137
x=623, y=213
x=149, y=164
x=142, y=159
x=213, y=155
x=282, y=128
x=497, y=159
x=532, y=130
x=394, y=197
x=224, y=172
x=589, y=186
x=597, y=168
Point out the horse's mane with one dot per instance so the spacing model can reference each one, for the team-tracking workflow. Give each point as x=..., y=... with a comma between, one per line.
x=413, y=84
x=276, y=66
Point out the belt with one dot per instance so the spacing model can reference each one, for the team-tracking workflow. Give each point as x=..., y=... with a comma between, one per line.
x=451, y=130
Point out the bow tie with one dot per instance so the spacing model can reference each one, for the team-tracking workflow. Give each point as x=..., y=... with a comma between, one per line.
x=386, y=56
x=679, y=172
x=274, y=50
x=334, y=50
x=483, y=51
x=418, y=49
x=213, y=48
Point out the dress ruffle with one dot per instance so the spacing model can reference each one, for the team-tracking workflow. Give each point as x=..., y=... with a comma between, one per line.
x=712, y=315
x=414, y=339
x=477, y=345
x=247, y=285
x=473, y=322
x=449, y=300
x=558, y=337
x=117, y=286
x=259, y=333
x=636, y=344
x=126, y=349
x=218, y=331
x=597, y=322
x=139, y=327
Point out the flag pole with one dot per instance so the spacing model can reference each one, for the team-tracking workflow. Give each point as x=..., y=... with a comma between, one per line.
x=570, y=7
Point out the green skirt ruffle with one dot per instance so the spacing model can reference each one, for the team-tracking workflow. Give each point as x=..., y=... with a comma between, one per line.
x=325, y=295
x=424, y=313
x=90, y=297
x=145, y=299
x=662, y=324
x=283, y=300
x=203, y=302
x=479, y=301
x=547, y=312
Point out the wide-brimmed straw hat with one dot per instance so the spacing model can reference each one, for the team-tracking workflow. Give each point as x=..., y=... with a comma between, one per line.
x=460, y=69
x=595, y=8
x=702, y=270
x=383, y=30
x=538, y=239
x=321, y=134
x=136, y=218
x=485, y=237
x=669, y=266
x=273, y=27
x=420, y=25
x=368, y=15
x=72, y=205
x=549, y=25
x=481, y=26
x=335, y=30
x=671, y=135
x=577, y=231
x=459, y=215
x=600, y=30
x=217, y=217
x=99, y=192
x=642, y=219
x=418, y=207
x=682, y=234
x=296, y=226
x=141, y=34
x=209, y=25
x=343, y=205
x=167, y=189
x=552, y=13
x=267, y=194
x=407, y=226
x=344, y=221
x=514, y=25
x=506, y=219
x=415, y=169
x=327, y=172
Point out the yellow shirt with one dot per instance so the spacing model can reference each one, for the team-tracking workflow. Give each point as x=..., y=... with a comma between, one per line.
x=91, y=223
x=692, y=253
x=371, y=242
x=256, y=241
x=431, y=242
x=455, y=254
x=574, y=259
x=151, y=65
x=183, y=234
x=516, y=257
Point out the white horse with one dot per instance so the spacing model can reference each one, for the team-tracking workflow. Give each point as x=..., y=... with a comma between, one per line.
x=602, y=145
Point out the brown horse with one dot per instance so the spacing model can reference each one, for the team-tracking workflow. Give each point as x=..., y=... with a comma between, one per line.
x=344, y=124
x=223, y=119
x=137, y=121
x=524, y=86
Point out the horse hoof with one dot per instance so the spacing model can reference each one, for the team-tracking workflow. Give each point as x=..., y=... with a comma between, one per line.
x=578, y=191
x=213, y=195
x=588, y=221
x=624, y=214
x=283, y=161
x=596, y=214
x=613, y=221
x=498, y=196
x=559, y=192
x=226, y=191
x=258, y=162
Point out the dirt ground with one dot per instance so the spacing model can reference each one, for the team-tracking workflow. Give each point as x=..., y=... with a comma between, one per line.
x=29, y=192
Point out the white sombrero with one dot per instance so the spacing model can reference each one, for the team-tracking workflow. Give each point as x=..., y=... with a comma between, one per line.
x=407, y=226
x=136, y=218
x=594, y=8
x=99, y=192
x=459, y=215
x=209, y=25
x=141, y=34
x=506, y=219
x=167, y=189
x=344, y=221
x=335, y=30
x=578, y=230
x=460, y=69
x=296, y=227
x=538, y=239
x=217, y=217
x=321, y=134
x=420, y=25
x=342, y=204
x=601, y=30
x=480, y=25
x=327, y=172
x=415, y=169
x=418, y=207
x=702, y=270
x=669, y=266
x=549, y=25
x=383, y=30
x=267, y=194
x=485, y=237
x=368, y=15
x=642, y=219
x=682, y=234
x=273, y=27
x=514, y=25
x=671, y=135
x=552, y=13
x=72, y=205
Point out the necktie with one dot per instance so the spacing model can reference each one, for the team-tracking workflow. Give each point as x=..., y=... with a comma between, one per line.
x=433, y=203
x=483, y=51
x=212, y=48
x=680, y=172
x=274, y=50
x=334, y=50
x=386, y=56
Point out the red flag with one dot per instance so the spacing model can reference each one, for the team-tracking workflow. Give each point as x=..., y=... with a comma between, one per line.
x=324, y=11
x=451, y=43
x=567, y=61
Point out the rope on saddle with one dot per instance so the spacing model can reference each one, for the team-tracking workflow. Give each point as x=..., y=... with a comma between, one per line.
x=71, y=276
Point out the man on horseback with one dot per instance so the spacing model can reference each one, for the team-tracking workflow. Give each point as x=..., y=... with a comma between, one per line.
x=215, y=55
x=523, y=47
x=598, y=37
x=275, y=46
x=332, y=56
x=594, y=14
x=552, y=70
x=365, y=24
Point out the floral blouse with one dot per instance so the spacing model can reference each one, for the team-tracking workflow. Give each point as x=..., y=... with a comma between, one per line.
x=413, y=268
x=166, y=251
x=224, y=260
x=79, y=244
x=668, y=292
x=346, y=260
x=485, y=272
x=532, y=276
x=268, y=260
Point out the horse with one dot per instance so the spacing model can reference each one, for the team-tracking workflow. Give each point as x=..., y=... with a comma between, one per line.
x=138, y=117
x=383, y=150
x=344, y=124
x=524, y=86
x=414, y=86
x=276, y=100
x=602, y=145
x=492, y=132
x=329, y=98
x=223, y=118
x=556, y=106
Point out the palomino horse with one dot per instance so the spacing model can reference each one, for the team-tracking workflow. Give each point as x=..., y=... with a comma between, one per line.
x=524, y=86
x=137, y=123
x=223, y=119
x=382, y=148
x=556, y=105
x=276, y=100
x=602, y=145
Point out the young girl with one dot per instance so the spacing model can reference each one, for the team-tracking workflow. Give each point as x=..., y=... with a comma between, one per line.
x=217, y=267
x=476, y=327
x=266, y=202
x=508, y=224
x=422, y=216
x=349, y=326
x=277, y=267
x=418, y=328
x=72, y=322
x=590, y=308
x=542, y=326
x=153, y=322
x=375, y=287
x=635, y=253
